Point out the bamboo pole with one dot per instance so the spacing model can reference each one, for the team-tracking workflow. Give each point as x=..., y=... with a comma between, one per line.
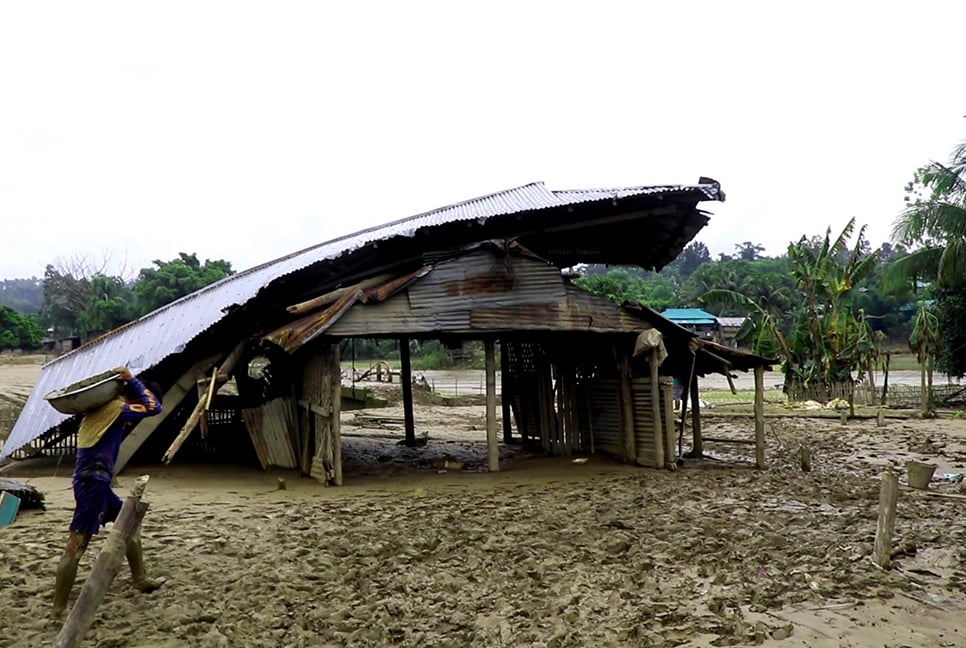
x=888, y=496
x=492, y=449
x=760, y=417
x=335, y=295
x=106, y=566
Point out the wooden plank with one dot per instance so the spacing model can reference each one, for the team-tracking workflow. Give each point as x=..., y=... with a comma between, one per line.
x=731, y=441
x=169, y=402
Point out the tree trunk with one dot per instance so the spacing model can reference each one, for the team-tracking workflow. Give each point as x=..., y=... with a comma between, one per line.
x=885, y=380
x=924, y=404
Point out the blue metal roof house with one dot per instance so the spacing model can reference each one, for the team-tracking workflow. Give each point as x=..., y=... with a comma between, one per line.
x=690, y=317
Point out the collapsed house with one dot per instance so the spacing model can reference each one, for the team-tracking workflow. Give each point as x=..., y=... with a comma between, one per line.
x=579, y=373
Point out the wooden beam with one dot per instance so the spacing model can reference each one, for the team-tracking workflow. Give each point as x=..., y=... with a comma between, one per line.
x=492, y=449
x=760, y=417
x=169, y=403
x=221, y=376
x=658, y=428
x=406, y=376
x=334, y=295
x=106, y=566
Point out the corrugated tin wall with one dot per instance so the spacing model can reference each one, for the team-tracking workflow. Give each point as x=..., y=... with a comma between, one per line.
x=271, y=429
x=606, y=417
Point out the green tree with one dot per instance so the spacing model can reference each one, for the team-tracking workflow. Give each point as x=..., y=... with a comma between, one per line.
x=826, y=338
x=171, y=280
x=933, y=227
x=111, y=304
x=926, y=341
x=749, y=251
x=19, y=331
x=692, y=257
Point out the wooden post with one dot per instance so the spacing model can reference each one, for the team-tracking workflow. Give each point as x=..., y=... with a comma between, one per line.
x=880, y=418
x=492, y=449
x=805, y=458
x=888, y=496
x=106, y=566
x=885, y=380
x=696, y=415
x=406, y=376
x=656, y=425
x=760, y=418
x=505, y=394
x=627, y=407
x=335, y=409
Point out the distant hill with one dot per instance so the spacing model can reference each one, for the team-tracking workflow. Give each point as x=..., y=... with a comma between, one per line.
x=22, y=295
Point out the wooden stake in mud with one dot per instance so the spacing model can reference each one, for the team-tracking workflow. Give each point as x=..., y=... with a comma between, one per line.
x=806, y=458
x=106, y=566
x=759, y=417
x=888, y=495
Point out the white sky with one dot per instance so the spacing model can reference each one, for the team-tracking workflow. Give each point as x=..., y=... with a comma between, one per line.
x=246, y=131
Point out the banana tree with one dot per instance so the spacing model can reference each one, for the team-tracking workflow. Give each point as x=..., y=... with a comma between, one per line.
x=825, y=340
x=926, y=341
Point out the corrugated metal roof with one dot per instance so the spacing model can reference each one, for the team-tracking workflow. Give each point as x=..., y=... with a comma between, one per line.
x=712, y=190
x=689, y=316
x=144, y=343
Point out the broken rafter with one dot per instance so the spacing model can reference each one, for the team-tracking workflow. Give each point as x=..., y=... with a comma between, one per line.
x=338, y=293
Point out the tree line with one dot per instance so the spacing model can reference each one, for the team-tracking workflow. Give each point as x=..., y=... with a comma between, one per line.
x=79, y=300
x=828, y=307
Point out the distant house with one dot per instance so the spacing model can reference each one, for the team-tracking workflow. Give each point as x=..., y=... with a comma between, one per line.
x=728, y=328
x=695, y=320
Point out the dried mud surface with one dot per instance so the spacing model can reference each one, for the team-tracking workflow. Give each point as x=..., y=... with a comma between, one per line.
x=414, y=552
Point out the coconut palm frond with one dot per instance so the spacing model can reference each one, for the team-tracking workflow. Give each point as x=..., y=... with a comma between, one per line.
x=921, y=264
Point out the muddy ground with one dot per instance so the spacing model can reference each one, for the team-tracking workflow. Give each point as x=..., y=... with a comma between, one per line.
x=547, y=552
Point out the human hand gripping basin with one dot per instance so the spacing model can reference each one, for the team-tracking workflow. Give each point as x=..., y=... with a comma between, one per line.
x=86, y=394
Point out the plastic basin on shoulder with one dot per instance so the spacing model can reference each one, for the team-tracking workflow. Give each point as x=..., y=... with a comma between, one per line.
x=86, y=394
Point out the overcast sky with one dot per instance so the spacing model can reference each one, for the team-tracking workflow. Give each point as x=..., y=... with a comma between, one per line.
x=246, y=131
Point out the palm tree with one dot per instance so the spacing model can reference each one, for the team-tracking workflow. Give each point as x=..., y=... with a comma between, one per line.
x=935, y=223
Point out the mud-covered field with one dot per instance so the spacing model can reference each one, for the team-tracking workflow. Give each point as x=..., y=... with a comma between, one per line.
x=422, y=547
